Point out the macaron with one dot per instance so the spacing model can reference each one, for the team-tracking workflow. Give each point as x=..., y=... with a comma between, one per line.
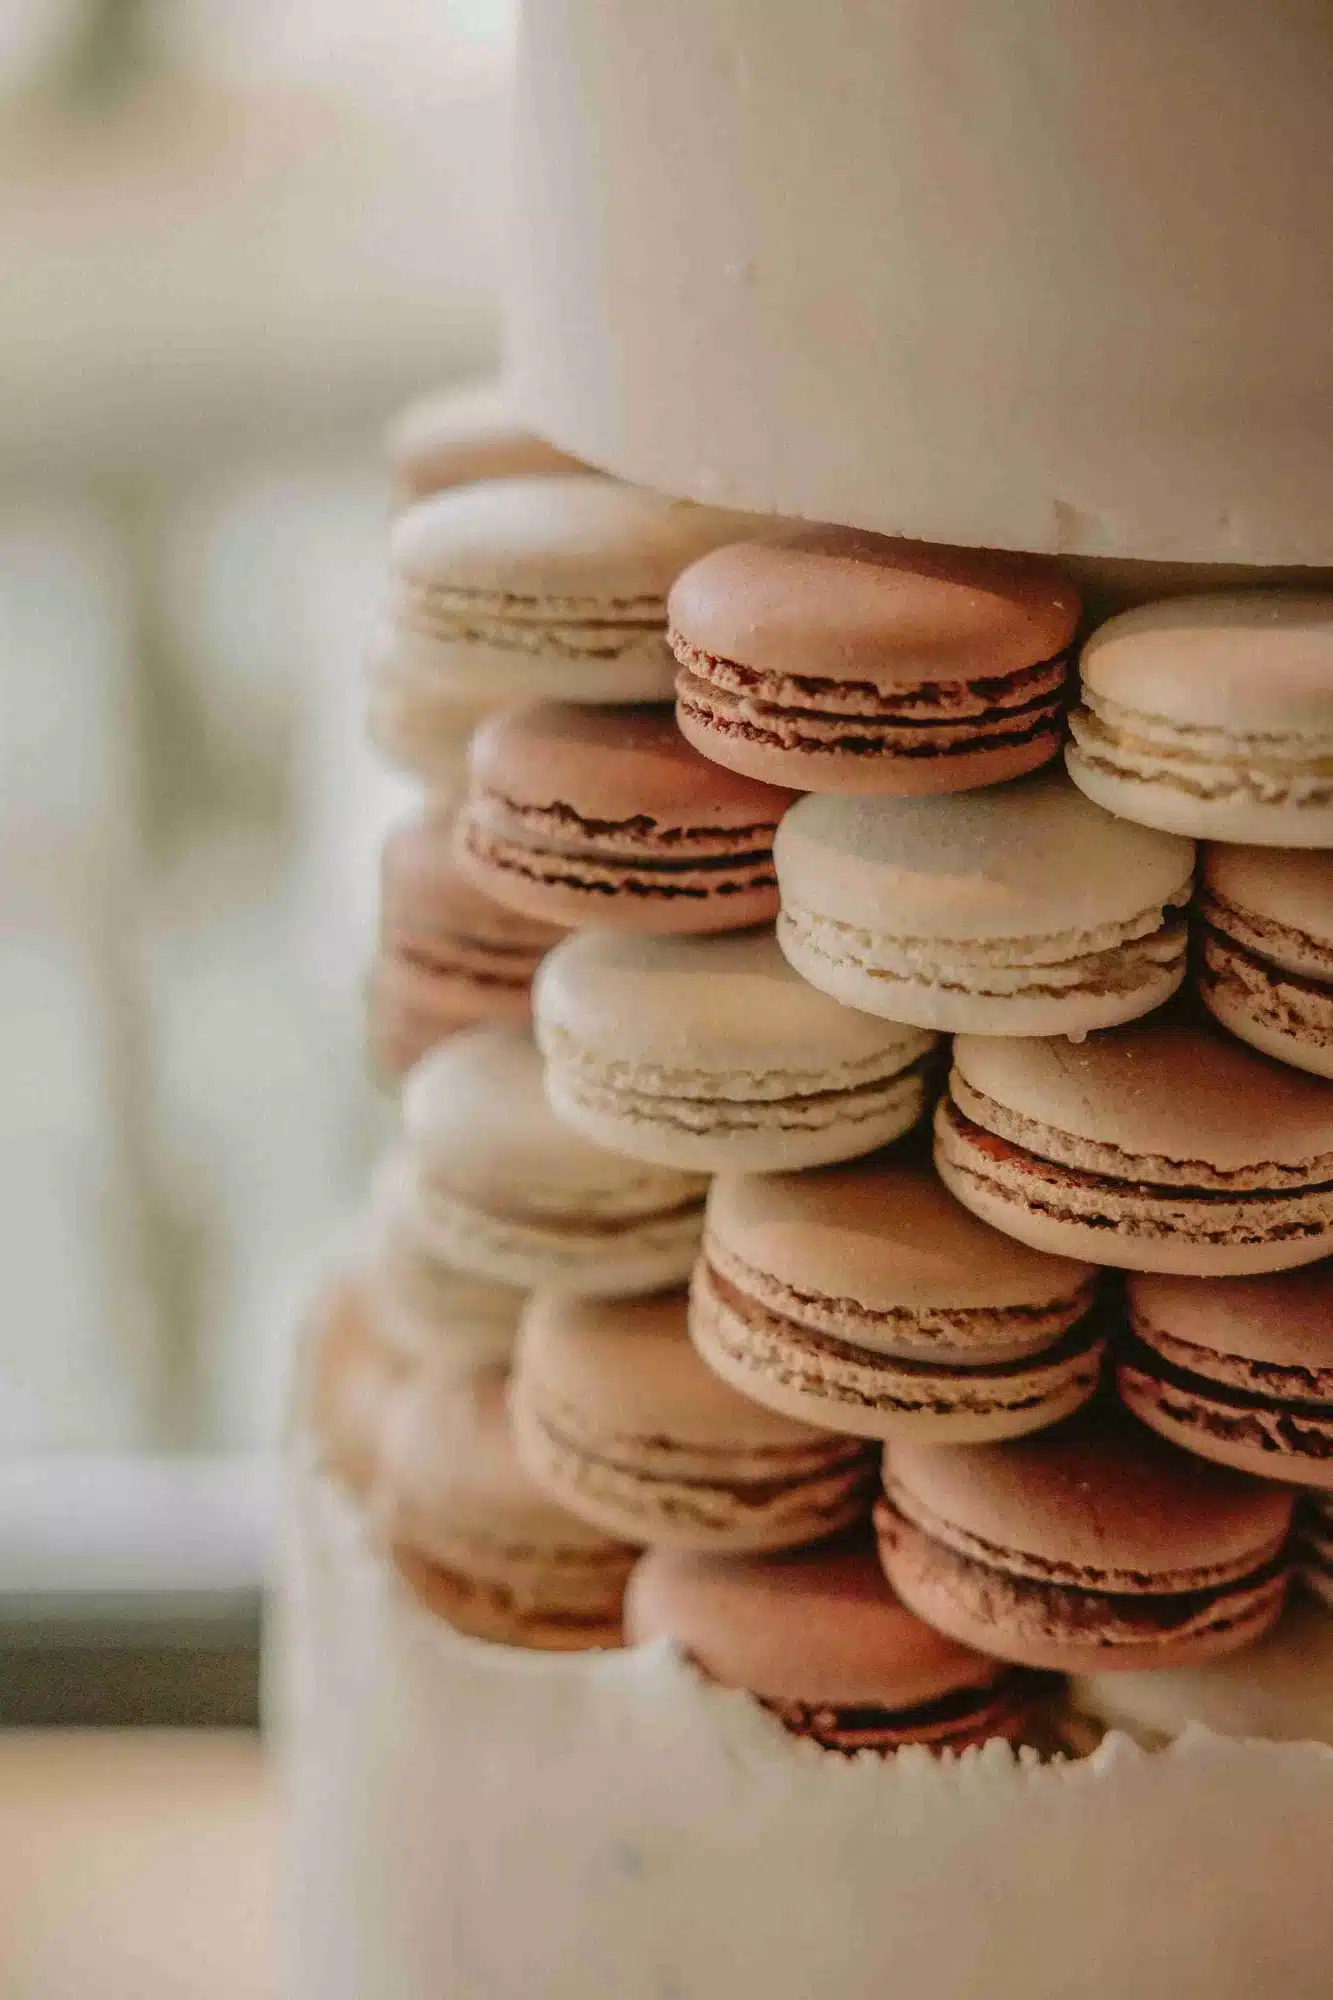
x=475, y=1541
x=619, y=1420
x=1164, y=1146
x=1265, y=950
x=1280, y=1688
x=504, y=1190
x=711, y=1052
x=866, y=1299
x=449, y=954
x=818, y=1638
x=605, y=815
x=839, y=661
x=424, y=1308
x=456, y=437
x=1239, y=1370
x=1088, y=1547
x=1021, y=910
x=1213, y=716
x=543, y=586
x=351, y=1378
x=1314, y=1546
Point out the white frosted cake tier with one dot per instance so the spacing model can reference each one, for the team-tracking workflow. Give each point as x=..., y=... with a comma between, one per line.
x=1044, y=278
x=484, y=1824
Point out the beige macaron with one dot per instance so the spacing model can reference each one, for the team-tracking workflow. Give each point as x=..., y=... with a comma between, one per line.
x=1162, y=1146
x=1265, y=950
x=504, y=1190
x=1213, y=716
x=620, y=1421
x=1021, y=909
x=554, y=587
x=475, y=1541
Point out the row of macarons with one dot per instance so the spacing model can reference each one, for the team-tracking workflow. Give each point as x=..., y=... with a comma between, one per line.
x=877, y=1297
x=1090, y=1550
x=827, y=659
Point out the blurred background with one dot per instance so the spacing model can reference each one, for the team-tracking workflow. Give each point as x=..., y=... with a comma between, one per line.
x=236, y=234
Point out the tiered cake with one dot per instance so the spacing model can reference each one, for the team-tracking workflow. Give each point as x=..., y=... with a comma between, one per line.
x=1050, y=1301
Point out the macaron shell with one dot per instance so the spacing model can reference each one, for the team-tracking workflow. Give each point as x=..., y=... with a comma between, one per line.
x=883, y=1241
x=1285, y=900
x=430, y=910
x=816, y=1625
x=819, y=600
x=486, y=1611
x=1165, y=1101
x=1265, y=961
x=1275, y=1441
x=1289, y=1019
x=1098, y=1504
x=820, y=1378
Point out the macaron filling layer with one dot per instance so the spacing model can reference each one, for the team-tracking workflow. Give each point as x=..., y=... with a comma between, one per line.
x=1222, y=1210
x=1207, y=763
x=856, y=718
x=1148, y=949
x=1272, y=1410
x=513, y=621
x=1248, y=973
x=763, y=1496
x=485, y=1609
x=754, y=1340
x=953, y=1721
x=553, y=846
x=1056, y=1609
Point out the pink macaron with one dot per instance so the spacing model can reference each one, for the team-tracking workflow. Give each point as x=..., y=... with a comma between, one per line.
x=1163, y=1146
x=472, y=1537
x=819, y=1639
x=448, y=954
x=1239, y=1370
x=834, y=660
x=1090, y=1546
x=619, y=1420
x=583, y=815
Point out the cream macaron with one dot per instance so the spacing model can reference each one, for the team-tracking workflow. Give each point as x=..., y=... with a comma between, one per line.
x=1163, y=1146
x=713, y=1053
x=1264, y=922
x=1018, y=910
x=555, y=586
x=1213, y=716
x=866, y=1299
x=619, y=1420
x=503, y=1189
x=471, y=1536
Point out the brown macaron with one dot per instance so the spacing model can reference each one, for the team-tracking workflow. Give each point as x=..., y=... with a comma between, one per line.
x=834, y=660
x=1264, y=932
x=1090, y=1546
x=819, y=1639
x=1239, y=1370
